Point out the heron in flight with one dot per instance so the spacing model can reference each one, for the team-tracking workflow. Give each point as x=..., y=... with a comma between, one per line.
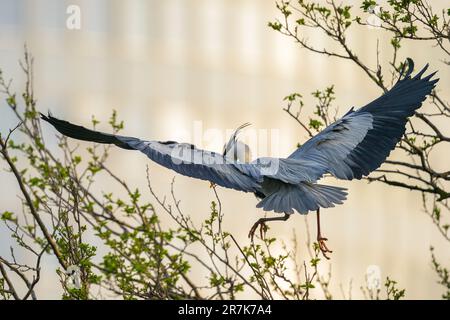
x=350, y=148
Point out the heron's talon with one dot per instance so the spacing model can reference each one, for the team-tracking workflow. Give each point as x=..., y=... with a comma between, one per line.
x=262, y=229
x=251, y=233
x=262, y=224
x=323, y=247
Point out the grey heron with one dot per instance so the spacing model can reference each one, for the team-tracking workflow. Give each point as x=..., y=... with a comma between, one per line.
x=350, y=148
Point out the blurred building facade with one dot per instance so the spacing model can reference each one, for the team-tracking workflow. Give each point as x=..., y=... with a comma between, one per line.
x=194, y=69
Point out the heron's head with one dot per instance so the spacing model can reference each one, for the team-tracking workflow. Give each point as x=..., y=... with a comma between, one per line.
x=239, y=151
x=236, y=150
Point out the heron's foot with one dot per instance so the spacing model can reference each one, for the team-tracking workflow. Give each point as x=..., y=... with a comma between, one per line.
x=323, y=247
x=212, y=185
x=262, y=229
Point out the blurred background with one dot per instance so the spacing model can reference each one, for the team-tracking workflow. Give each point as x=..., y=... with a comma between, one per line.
x=192, y=70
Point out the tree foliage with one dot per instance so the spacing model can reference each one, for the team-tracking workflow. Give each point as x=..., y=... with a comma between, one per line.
x=402, y=20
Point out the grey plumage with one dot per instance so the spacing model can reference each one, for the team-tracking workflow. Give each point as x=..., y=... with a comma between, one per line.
x=350, y=148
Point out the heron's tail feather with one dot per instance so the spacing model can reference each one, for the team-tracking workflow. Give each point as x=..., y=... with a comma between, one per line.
x=303, y=198
x=81, y=133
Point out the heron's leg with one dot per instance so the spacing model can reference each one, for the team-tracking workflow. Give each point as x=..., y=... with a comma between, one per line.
x=262, y=223
x=321, y=240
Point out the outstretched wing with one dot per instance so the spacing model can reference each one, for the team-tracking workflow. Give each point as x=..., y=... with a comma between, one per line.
x=183, y=158
x=361, y=140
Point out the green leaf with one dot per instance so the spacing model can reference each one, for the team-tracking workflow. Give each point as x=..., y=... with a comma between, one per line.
x=307, y=285
x=275, y=25
x=314, y=262
x=367, y=4
x=410, y=30
x=292, y=97
x=11, y=101
x=315, y=124
x=8, y=216
x=395, y=42
x=94, y=121
x=76, y=160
